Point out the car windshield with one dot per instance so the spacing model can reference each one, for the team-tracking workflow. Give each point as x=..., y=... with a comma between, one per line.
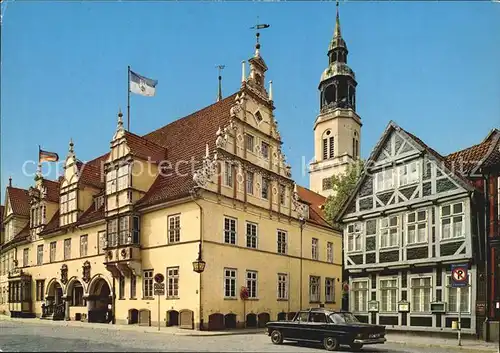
x=343, y=318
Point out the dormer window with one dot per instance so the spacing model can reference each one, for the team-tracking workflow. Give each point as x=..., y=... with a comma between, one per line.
x=68, y=202
x=99, y=201
x=117, y=179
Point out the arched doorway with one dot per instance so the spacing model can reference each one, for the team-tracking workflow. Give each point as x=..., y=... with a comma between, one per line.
x=230, y=321
x=216, y=322
x=54, y=305
x=251, y=320
x=263, y=318
x=74, y=293
x=99, y=301
x=172, y=318
x=133, y=316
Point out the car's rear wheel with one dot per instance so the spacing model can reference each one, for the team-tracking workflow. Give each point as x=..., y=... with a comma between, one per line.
x=276, y=337
x=331, y=343
x=356, y=346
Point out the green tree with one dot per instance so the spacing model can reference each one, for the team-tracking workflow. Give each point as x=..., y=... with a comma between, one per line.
x=343, y=186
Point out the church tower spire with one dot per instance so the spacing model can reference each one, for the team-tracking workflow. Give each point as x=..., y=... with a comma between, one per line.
x=337, y=129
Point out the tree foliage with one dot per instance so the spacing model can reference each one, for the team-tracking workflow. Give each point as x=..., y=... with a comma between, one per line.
x=343, y=186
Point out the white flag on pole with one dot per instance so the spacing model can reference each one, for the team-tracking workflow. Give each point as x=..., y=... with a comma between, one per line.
x=142, y=85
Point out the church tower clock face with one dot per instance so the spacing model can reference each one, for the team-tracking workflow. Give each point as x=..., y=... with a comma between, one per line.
x=337, y=129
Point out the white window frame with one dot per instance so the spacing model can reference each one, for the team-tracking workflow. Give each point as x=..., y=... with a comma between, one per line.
x=330, y=284
x=147, y=283
x=385, y=231
x=39, y=255
x=315, y=248
x=249, y=142
x=250, y=182
x=228, y=174
x=84, y=245
x=252, y=284
x=416, y=224
x=365, y=291
x=174, y=228
x=67, y=249
x=173, y=275
x=282, y=286
x=329, y=252
x=26, y=257
x=409, y=173
x=264, y=193
x=449, y=289
x=392, y=303
x=53, y=251
x=231, y=275
x=282, y=246
x=354, y=237
x=384, y=180
x=314, y=282
x=451, y=217
x=252, y=235
x=413, y=305
x=123, y=177
x=228, y=232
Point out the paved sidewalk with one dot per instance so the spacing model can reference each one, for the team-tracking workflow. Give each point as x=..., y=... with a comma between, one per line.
x=468, y=345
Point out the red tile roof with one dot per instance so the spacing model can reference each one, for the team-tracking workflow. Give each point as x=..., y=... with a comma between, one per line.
x=185, y=139
x=19, y=201
x=92, y=172
x=316, y=202
x=485, y=154
x=91, y=214
x=52, y=190
x=144, y=148
x=53, y=224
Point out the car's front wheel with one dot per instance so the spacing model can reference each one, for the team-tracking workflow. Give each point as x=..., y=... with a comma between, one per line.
x=276, y=337
x=356, y=346
x=331, y=343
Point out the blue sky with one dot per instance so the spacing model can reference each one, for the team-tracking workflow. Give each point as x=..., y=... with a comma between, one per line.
x=430, y=66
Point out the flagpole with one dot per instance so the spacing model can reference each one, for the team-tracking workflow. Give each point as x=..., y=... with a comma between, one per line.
x=128, y=101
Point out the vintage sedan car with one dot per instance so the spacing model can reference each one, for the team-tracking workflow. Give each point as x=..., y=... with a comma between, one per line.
x=331, y=328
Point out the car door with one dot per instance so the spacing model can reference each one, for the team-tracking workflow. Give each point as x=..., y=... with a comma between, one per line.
x=316, y=327
x=296, y=330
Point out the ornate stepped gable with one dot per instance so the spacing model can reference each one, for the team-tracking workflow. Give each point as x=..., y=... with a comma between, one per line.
x=398, y=144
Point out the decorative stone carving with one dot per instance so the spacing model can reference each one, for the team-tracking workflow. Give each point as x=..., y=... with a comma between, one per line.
x=124, y=253
x=298, y=206
x=208, y=169
x=223, y=135
x=64, y=274
x=86, y=272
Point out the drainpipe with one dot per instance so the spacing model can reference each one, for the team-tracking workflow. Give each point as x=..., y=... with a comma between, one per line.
x=194, y=196
x=113, y=304
x=302, y=221
x=486, y=255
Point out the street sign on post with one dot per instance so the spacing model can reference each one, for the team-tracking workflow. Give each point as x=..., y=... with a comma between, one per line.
x=459, y=279
x=159, y=290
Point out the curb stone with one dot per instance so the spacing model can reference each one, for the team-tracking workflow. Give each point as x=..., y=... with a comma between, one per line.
x=446, y=346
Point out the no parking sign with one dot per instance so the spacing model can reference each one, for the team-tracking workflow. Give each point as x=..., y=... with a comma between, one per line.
x=459, y=275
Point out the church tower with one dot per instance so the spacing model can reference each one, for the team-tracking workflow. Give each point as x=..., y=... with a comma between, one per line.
x=337, y=129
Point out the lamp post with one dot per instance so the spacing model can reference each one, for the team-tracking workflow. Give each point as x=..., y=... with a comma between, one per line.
x=302, y=221
x=199, y=267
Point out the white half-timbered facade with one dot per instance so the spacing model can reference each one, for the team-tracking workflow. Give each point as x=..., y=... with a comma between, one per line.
x=409, y=218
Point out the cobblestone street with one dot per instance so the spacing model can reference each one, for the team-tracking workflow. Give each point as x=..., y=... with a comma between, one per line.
x=41, y=336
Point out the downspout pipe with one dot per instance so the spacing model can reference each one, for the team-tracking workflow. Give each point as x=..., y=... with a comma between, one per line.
x=195, y=195
x=487, y=253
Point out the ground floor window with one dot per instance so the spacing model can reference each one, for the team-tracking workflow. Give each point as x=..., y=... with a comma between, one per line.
x=359, y=291
x=40, y=288
x=388, y=294
x=314, y=286
x=78, y=295
x=465, y=296
x=421, y=294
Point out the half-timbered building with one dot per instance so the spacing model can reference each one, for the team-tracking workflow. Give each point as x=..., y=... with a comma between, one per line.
x=409, y=219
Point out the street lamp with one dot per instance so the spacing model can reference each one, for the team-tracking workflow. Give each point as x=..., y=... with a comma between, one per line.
x=199, y=264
